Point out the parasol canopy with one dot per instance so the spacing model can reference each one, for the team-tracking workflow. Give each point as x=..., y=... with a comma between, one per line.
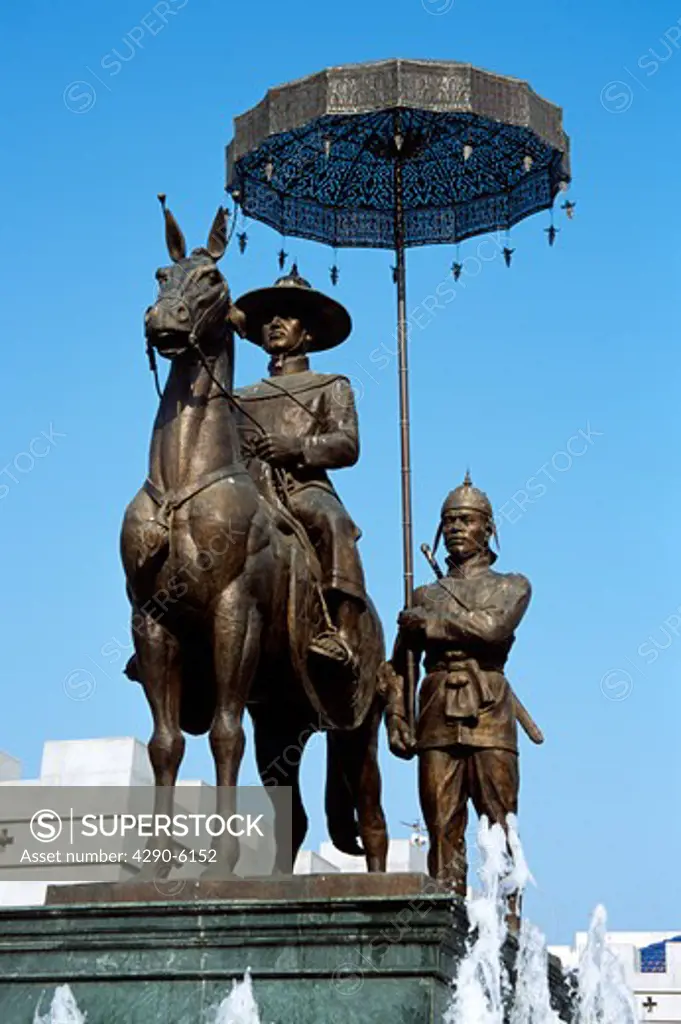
x=393, y=154
x=477, y=151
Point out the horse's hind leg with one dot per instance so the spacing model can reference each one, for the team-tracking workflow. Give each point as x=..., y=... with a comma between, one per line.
x=279, y=743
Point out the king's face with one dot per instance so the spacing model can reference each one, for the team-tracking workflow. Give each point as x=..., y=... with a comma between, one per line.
x=283, y=335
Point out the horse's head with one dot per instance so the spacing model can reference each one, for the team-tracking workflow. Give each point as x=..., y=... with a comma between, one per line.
x=193, y=305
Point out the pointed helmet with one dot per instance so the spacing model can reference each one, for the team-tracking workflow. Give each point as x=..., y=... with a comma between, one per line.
x=470, y=498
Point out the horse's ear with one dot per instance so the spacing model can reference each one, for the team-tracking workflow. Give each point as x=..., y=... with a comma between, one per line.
x=177, y=247
x=217, y=236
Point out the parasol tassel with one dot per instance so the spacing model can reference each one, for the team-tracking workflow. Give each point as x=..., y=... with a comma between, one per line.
x=569, y=209
x=334, y=274
x=175, y=241
x=282, y=257
x=508, y=253
x=552, y=232
x=456, y=270
x=242, y=239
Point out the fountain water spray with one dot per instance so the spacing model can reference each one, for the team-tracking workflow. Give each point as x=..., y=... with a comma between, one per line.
x=482, y=991
x=239, y=1007
x=532, y=999
x=63, y=1009
x=604, y=996
x=482, y=985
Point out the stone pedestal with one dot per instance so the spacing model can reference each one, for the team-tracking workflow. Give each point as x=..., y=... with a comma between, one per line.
x=347, y=949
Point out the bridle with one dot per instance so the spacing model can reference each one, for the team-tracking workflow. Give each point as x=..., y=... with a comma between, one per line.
x=193, y=344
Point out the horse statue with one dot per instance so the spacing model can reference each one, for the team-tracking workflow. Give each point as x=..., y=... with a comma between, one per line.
x=224, y=589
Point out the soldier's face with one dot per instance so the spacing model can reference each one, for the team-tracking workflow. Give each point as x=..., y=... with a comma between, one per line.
x=284, y=334
x=465, y=533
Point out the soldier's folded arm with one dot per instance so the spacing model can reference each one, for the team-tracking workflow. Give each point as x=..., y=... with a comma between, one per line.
x=491, y=623
x=337, y=446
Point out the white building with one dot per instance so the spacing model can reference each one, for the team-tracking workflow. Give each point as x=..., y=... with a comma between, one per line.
x=100, y=762
x=652, y=967
x=125, y=762
x=403, y=855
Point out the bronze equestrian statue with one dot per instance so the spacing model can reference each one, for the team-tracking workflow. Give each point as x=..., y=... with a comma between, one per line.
x=463, y=626
x=227, y=591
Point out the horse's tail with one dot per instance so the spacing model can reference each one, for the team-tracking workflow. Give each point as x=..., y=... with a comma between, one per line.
x=341, y=803
x=346, y=750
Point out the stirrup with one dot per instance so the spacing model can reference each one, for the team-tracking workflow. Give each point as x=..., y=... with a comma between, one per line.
x=341, y=651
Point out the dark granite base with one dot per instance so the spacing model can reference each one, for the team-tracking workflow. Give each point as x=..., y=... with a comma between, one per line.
x=347, y=949
x=336, y=886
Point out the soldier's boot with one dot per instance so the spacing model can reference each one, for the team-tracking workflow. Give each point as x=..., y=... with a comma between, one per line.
x=341, y=645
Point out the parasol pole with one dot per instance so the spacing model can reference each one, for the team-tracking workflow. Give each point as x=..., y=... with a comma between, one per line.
x=405, y=449
x=403, y=371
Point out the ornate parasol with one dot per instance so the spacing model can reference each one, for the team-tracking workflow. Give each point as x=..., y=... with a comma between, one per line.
x=393, y=154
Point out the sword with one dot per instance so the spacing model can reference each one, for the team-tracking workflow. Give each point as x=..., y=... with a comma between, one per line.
x=526, y=720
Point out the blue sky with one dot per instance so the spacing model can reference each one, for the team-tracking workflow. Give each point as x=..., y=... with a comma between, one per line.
x=578, y=338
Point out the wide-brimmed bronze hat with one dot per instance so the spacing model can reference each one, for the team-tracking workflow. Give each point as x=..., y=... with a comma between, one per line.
x=327, y=320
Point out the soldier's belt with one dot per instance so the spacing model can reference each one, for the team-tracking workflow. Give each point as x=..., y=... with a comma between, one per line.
x=467, y=689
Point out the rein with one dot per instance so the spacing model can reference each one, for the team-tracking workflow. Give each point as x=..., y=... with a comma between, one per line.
x=278, y=474
x=311, y=412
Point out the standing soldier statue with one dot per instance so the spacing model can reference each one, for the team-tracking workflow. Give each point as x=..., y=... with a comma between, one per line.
x=308, y=425
x=463, y=626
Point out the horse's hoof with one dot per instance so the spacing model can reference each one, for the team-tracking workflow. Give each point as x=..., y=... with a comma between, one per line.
x=215, y=873
x=154, y=873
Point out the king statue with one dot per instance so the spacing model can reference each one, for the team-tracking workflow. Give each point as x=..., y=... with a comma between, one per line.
x=462, y=626
x=307, y=425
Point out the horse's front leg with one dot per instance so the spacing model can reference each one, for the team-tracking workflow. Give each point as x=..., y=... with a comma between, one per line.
x=236, y=644
x=160, y=669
